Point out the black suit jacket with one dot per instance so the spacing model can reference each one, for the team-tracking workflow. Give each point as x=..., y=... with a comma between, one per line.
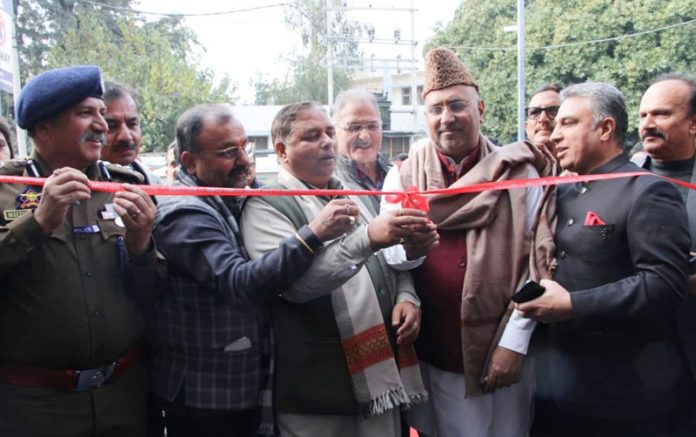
x=686, y=314
x=617, y=358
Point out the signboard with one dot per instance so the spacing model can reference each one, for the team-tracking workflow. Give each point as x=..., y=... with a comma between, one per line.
x=6, y=46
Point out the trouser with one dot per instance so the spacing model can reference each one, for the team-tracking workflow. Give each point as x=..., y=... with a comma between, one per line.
x=549, y=421
x=183, y=421
x=449, y=413
x=686, y=424
x=115, y=410
x=387, y=424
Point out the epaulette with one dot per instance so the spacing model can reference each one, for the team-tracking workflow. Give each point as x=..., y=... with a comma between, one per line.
x=13, y=167
x=121, y=173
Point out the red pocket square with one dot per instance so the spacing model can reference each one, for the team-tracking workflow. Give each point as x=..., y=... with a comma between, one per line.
x=593, y=219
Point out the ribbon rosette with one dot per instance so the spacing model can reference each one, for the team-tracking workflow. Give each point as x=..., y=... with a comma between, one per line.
x=411, y=198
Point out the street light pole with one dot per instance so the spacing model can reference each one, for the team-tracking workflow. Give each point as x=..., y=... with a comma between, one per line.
x=329, y=57
x=520, y=71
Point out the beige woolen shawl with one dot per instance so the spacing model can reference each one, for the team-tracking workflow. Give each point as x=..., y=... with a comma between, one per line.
x=497, y=240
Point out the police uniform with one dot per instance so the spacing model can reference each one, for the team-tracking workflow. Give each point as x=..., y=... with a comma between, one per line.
x=69, y=317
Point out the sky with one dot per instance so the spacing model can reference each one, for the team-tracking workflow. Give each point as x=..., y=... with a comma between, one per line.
x=247, y=44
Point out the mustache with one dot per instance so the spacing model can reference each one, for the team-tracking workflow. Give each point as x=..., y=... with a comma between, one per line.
x=91, y=135
x=655, y=133
x=238, y=171
x=450, y=127
x=362, y=144
x=122, y=145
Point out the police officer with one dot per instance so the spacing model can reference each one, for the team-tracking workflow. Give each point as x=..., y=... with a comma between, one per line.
x=74, y=263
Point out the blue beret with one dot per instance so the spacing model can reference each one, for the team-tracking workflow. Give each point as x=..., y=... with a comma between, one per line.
x=53, y=91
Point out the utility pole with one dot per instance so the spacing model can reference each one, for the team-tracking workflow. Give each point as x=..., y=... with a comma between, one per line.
x=414, y=89
x=520, y=70
x=329, y=55
x=396, y=40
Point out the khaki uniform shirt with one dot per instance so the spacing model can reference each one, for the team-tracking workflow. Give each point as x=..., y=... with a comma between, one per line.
x=68, y=299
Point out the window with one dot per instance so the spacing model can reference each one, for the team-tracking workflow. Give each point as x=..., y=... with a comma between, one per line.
x=261, y=142
x=406, y=98
x=406, y=95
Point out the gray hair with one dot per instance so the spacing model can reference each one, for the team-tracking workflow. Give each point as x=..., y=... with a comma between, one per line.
x=114, y=91
x=190, y=124
x=685, y=78
x=284, y=119
x=605, y=101
x=555, y=87
x=352, y=96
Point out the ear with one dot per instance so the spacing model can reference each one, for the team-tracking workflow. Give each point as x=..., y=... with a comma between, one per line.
x=692, y=125
x=607, y=129
x=42, y=131
x=481, y=108
x=280, y=151
x=188, y=161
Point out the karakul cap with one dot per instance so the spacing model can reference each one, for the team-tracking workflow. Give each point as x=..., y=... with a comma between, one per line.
x=53, y=91
x=444, y=69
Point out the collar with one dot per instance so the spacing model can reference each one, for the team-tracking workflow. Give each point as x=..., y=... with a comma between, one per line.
x=611, y=166
x=454, y=171
x=45, y=170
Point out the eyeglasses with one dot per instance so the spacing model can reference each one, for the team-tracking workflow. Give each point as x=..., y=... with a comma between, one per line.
x=233, y=152
x=356, y=128
x=534, y=112
x=455, y=107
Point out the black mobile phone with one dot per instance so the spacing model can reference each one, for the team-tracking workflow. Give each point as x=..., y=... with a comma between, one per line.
x=692, y=265
x=530, y=290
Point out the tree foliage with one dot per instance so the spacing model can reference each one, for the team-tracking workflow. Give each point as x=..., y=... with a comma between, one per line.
x=157, y=59
x=629, y=63
x=306, y=77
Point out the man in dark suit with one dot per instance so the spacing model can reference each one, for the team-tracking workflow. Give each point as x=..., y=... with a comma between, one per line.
x=668, y=132
x=608, y=361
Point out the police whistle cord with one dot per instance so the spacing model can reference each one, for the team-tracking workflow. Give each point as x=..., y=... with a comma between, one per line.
x=410, y=198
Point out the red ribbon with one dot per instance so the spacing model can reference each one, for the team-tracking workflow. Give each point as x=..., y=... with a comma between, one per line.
x=411, y=198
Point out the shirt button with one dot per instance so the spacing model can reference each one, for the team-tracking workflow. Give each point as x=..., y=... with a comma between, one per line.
x=583, y=189
x=562, y=255
x=88, y=274
x=570, y=222
x=96, y=313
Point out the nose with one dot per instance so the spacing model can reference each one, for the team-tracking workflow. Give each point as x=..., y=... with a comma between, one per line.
x=243, y=158
x=555, y=135
x=123, y=133
x=544, y=116
x=646, y=122
x=364, y=134
x=99, y=124
x=447, y=115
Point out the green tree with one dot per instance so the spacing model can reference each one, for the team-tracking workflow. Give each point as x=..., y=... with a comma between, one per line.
x=306, y=77
x=155, y=58
x=42, y=24
x=629, y=63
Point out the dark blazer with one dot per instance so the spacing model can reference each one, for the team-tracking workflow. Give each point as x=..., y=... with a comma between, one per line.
x=686, y=314
x=209, y=331
x=617, y=358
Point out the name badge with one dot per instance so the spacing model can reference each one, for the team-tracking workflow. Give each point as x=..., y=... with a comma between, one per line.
x=86, y=230
x=107, y=212
x=14, y=214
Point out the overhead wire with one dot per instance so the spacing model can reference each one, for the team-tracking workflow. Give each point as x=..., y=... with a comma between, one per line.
x=461, y=47
x=192, y=14
x=578, y=43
